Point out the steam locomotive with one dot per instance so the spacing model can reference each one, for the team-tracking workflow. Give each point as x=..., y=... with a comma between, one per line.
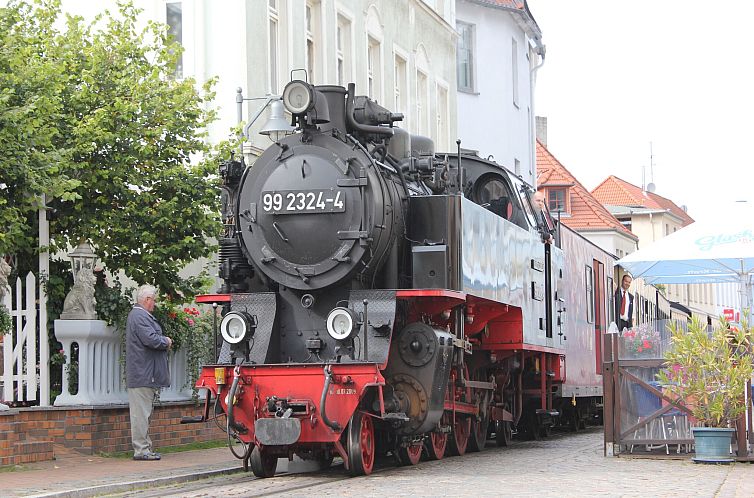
x=380, y=297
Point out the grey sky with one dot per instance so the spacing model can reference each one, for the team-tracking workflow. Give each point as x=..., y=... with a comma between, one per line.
x=619, y=75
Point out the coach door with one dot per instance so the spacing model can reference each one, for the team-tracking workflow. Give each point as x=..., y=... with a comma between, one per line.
x=597, y=304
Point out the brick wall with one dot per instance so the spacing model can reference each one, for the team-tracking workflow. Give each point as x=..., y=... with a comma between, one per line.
x=28, y=434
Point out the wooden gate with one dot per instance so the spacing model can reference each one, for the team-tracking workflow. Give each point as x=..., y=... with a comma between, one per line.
x=637, y=411
x=25, y=348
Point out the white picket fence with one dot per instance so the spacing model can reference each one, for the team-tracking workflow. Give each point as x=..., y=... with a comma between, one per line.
x=24, y=377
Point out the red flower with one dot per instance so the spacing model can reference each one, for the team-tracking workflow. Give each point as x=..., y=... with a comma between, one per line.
x=172, y=315
x=646, y=344
x=639, y=349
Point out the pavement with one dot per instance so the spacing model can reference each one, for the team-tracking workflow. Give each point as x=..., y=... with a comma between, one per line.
x=567, y=465
x=72, y=474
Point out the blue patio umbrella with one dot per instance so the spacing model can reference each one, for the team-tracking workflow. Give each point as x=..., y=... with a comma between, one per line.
x=718, y=249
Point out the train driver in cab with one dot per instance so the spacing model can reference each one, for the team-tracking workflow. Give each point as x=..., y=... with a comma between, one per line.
x=543, y=218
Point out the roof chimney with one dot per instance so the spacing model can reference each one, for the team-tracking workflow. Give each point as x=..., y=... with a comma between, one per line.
x=541, y=123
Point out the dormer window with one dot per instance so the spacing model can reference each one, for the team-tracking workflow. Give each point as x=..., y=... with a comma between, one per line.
x=557, y=199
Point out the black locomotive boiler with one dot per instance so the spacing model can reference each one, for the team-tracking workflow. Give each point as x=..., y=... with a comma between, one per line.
x=380, y=297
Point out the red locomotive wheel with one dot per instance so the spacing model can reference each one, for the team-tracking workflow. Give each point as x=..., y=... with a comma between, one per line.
x=361, y=444
x=436, y=444
x=263, y=464
x=409, y=455
x=459, y=440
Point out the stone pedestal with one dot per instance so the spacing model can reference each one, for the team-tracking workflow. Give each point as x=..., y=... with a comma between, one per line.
x=100, y=378
x=178, y=390
x=99, y=372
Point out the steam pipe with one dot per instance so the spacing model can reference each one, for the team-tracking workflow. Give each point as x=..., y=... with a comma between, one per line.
x=231, y=396
x=323, y=399
x=379, y=130
x=366, y=330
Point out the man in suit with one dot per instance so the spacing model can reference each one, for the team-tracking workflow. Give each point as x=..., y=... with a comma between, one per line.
x=624, y=304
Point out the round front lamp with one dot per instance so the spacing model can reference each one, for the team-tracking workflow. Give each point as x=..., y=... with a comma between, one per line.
x=341, y=324
x=298, y=97
x=235, y=327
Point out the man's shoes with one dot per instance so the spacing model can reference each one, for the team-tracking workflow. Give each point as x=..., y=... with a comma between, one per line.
x=148, y=456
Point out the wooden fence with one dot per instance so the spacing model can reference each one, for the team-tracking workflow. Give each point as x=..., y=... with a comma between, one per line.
x=26, y=353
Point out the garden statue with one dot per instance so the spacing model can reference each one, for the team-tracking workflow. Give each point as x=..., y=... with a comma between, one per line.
x=4, y=274
x=79, y=303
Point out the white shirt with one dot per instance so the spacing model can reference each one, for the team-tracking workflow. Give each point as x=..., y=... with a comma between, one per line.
x=624, y=297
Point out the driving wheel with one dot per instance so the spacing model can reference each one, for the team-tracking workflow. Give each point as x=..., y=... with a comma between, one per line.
x=361, y=444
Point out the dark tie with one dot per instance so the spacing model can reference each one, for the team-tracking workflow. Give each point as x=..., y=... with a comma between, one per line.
x=623, y=303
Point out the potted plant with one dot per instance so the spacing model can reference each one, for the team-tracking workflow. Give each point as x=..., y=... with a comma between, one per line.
x=707, y=371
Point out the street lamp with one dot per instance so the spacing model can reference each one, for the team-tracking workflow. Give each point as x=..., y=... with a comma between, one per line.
x=82, y=257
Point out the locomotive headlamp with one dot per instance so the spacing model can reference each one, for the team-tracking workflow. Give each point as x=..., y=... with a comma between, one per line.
x=298, y=97
x=237, y=326
x=341, y=324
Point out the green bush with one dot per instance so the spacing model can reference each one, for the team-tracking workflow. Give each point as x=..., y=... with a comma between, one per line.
x=708, y=371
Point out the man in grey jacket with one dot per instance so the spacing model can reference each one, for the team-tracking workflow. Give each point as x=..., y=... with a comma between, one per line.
x=146, y=368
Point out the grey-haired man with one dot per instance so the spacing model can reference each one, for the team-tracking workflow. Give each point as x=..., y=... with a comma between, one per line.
x=146, y=369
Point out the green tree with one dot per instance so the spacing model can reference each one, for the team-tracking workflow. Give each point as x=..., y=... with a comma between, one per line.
x=103, y=127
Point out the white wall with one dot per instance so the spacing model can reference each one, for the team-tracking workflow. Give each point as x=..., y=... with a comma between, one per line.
x=488, y=120
x=611, y=242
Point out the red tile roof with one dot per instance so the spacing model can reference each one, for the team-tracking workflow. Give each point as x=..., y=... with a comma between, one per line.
x=527, y=18
x=616, y=192
x=586, y=212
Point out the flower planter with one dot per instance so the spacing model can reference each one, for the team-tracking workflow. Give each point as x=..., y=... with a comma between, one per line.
x=712, y=444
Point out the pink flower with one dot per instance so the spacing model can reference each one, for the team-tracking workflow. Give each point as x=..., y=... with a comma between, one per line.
x=190, y=322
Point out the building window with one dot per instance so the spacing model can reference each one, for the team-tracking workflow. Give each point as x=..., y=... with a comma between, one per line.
x=274, y=43
x=400, y=90
x=422, y=103
x=465, y=56
x=626, y=222
x=556, y=199
x=374, y=65
x=174, y=20
x=514, y=70
x=313, y=40
x=442, y=117
x=343, y=51
x=589, y=286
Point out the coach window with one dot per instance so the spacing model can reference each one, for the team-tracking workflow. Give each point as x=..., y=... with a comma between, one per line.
x=589, y=285
x=610, y=297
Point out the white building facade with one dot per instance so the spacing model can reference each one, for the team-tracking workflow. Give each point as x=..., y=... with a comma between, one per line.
x=500, y=49
x=399, y=52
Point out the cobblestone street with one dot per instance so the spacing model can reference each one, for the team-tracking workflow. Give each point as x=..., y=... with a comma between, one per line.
x=563, y=465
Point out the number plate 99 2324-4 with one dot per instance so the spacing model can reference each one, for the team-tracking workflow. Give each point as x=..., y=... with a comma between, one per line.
x=303, y=201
